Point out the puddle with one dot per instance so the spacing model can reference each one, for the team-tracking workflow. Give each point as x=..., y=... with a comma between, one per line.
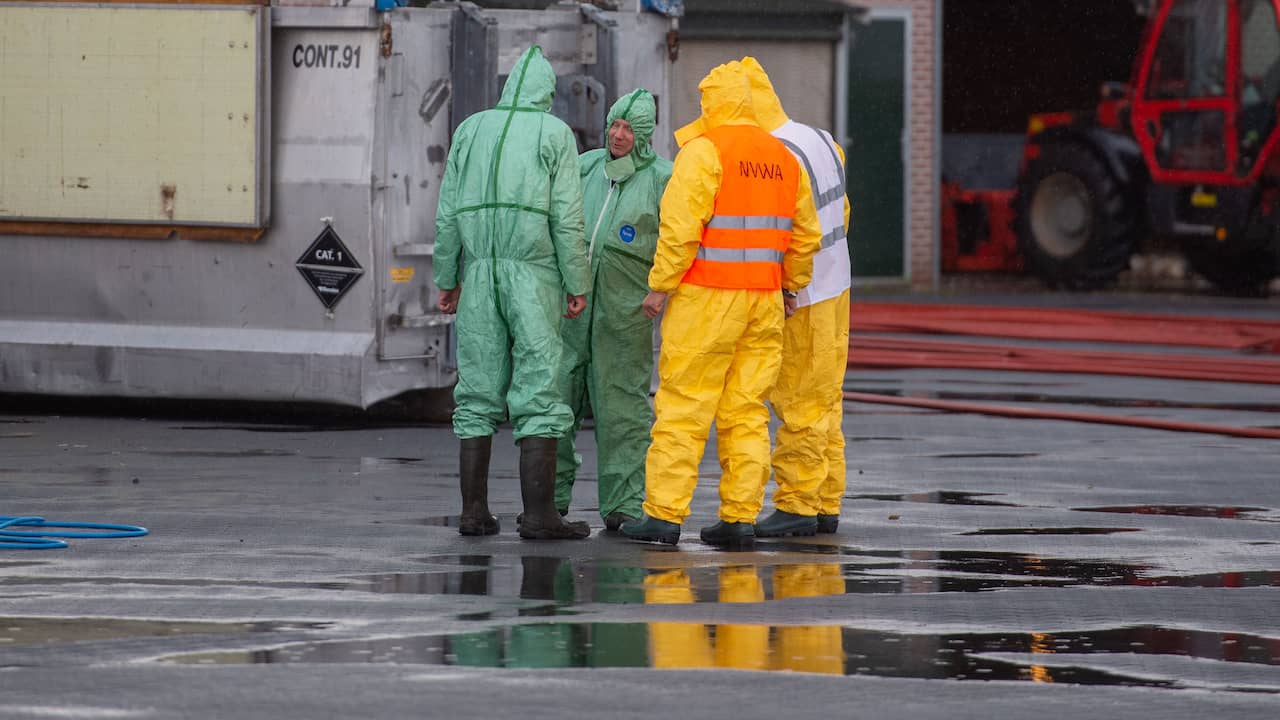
x=39, y=631
x=561, y=585
x=170, y=582
x=940, y=497
x=829, y=649
x=221, y=453
x=565, y=583
x=1197, y=511
x=1052, y=531
x=984, y=455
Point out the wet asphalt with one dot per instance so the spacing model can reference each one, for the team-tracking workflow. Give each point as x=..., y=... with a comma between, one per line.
x=984, y=567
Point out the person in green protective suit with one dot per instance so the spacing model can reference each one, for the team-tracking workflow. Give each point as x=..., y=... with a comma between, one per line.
x=511, y=206
x=609, y=351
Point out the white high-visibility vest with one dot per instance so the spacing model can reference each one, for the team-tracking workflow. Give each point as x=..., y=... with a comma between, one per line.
x=816, y=151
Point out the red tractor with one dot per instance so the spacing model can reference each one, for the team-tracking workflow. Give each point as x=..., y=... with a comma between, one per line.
x=1189, y=150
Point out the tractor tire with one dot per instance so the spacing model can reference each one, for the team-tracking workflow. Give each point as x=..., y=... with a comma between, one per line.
x=1244, y=267
x=1076, y=222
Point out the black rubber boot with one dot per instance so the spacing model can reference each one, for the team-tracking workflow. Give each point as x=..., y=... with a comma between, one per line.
x=781, y=524
x=563, y=512
x=473, y=473
x=730, y=536
x=541, y=519
x=651, y=529
x=827, y=524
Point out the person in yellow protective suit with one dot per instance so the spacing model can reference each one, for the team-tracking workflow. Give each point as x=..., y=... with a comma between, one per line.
x=738, y=229
x=808, y=456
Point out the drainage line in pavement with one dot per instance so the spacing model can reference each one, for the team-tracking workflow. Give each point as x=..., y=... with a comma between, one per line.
x=1005, y=411
x=46, y=539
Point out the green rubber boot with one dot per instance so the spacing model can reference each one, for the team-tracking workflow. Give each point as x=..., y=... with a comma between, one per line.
x=649, y=529
x=782, y=524
x=730, y=536
x=828, y=524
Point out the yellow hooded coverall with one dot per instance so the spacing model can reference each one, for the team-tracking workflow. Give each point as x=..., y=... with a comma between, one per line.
x=808, y=459
x=721, y=348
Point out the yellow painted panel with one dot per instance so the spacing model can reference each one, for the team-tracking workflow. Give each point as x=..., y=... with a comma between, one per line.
x=129, y=114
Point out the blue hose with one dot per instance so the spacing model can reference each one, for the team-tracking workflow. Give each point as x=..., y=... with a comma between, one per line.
x=44, y=540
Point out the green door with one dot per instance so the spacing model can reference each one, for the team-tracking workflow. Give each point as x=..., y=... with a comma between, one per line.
x=876, y=120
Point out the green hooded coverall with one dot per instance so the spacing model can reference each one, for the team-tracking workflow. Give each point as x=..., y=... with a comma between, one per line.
x=511, y=200
x=608, y=359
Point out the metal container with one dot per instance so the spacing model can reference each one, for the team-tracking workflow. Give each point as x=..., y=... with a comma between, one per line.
x=316, y=286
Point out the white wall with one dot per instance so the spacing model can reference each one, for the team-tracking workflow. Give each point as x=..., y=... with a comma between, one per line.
x=802, y=73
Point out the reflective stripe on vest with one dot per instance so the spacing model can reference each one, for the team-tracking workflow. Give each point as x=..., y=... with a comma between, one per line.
x=748, y=222
x=739, y=255
x=816, y=151
x=746, y=238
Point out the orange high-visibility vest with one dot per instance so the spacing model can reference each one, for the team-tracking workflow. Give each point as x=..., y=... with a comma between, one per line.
x=750, y=226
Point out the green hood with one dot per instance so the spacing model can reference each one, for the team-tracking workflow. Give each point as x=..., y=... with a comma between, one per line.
x=531, y=84
x=641, y=112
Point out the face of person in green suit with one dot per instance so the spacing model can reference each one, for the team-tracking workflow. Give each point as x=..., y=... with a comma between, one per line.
x=621, y=138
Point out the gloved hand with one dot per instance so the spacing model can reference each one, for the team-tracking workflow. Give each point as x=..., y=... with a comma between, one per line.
x=448, y=300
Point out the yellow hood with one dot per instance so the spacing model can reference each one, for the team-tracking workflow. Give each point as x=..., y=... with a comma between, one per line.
x=726, y=100
x=767, y=106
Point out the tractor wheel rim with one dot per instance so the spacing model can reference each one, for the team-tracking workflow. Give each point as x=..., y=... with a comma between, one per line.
x=1061, y=219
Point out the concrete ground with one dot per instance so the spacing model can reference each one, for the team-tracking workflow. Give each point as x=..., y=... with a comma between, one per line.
x=984, y=567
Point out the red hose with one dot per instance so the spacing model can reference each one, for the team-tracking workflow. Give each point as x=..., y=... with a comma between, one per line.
x=1056, y=324
x=1074, y=325
x=1004, y=411
x=883, y=352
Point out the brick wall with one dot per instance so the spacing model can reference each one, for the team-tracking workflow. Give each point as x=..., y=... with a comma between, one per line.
x=923, y=134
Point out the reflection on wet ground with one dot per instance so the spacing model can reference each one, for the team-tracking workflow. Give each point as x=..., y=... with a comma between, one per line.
x=951, y=456
x=568, y=583
x=37, y=631
x=947, y=497
x=1063, y=657
x=565, y=584
x=1052, y=531
x=941, y=497
x=249, y=453
x=1198, y=511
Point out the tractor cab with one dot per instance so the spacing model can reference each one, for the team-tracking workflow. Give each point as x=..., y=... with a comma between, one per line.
x=1188, y=151
x=1204, y=104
